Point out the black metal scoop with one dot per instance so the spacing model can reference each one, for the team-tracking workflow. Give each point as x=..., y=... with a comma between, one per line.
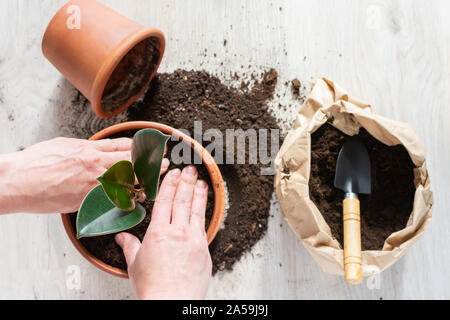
x=353, y=167
x=353, y=177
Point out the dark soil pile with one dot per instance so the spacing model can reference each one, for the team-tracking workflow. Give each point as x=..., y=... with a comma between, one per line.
x=105, y=247
x=178, y=99
x=130, y=75
x=182, y=97
x=383, y=212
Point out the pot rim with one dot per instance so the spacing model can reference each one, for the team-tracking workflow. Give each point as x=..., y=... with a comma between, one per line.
x=113, y=60
x=211, y=166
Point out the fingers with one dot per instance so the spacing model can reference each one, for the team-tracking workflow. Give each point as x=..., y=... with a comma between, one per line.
x=163, y=204
x=111, y=158
x=199, y=201
x=164, y=166
x=112, y=145
x=183, y=198
x=130, y=246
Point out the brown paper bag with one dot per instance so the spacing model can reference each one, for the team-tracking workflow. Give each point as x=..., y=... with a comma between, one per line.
x=326, y=100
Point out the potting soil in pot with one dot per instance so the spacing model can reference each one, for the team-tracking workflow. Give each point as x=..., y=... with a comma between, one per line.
x=182, y=97
x=178, y=99
x=105, y=248
x=130, y=75
x=384, y=211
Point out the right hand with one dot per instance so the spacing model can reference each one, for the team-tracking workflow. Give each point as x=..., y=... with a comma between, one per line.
x=173, y=260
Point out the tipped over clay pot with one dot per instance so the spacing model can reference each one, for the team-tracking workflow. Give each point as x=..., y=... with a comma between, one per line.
x=207, y=160
x=109, y=58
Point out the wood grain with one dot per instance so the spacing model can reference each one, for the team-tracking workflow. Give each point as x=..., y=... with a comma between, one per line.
x=394, y=54
x=352, y=241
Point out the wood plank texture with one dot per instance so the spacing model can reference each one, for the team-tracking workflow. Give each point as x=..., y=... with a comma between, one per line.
x=394, y=54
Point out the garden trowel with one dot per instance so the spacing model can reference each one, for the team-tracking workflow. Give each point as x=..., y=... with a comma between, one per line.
x=353, y=177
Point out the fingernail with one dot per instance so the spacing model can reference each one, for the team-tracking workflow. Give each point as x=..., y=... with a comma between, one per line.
x=165, y=162
x=202, y=184
x=119, y=238
x=175, y=172
x=190, y=170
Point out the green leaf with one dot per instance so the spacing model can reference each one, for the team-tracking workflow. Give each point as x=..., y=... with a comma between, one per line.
x=147, y=153
x=98, y=215
x=118, y=184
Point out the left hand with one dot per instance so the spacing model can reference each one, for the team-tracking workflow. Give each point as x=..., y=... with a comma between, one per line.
x=55, y=175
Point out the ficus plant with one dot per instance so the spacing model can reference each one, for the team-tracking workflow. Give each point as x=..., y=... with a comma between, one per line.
x=113, y=205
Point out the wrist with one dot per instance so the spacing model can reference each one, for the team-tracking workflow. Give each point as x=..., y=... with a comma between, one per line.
x=167, y=294
x=10, y=191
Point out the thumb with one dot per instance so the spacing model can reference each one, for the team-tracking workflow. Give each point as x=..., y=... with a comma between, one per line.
x=130, y=246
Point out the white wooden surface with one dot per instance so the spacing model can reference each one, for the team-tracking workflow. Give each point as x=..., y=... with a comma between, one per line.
x=393, y=54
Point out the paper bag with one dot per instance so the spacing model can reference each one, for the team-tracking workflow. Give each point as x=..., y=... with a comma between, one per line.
x=327, y=100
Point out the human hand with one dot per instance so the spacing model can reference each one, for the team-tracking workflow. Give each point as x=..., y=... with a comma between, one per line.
x=55, y=175
x=173, y=261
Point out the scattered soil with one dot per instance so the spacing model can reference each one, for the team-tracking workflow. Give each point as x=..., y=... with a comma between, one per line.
x=178, y=99
x=296, y=86
x=182, y=97
x=386, y=210
x=105, y=247
x=130, y=75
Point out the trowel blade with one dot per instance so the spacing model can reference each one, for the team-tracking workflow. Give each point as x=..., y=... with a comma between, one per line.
x=353, y=167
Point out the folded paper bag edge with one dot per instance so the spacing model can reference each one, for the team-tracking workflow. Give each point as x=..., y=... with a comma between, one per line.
x=327, y=97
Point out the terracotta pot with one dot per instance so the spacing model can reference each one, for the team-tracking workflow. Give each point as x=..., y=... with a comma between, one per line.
x=86, y=41
x=208, y=161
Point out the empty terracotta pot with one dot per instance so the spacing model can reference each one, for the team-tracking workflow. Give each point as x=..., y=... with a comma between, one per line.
x=207, y=160
x=109, y=58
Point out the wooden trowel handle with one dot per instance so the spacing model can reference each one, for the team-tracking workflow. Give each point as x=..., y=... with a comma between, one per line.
x=352, y=241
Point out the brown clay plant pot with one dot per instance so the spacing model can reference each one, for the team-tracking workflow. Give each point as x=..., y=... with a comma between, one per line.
x=207, y=160
x=109, y=58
